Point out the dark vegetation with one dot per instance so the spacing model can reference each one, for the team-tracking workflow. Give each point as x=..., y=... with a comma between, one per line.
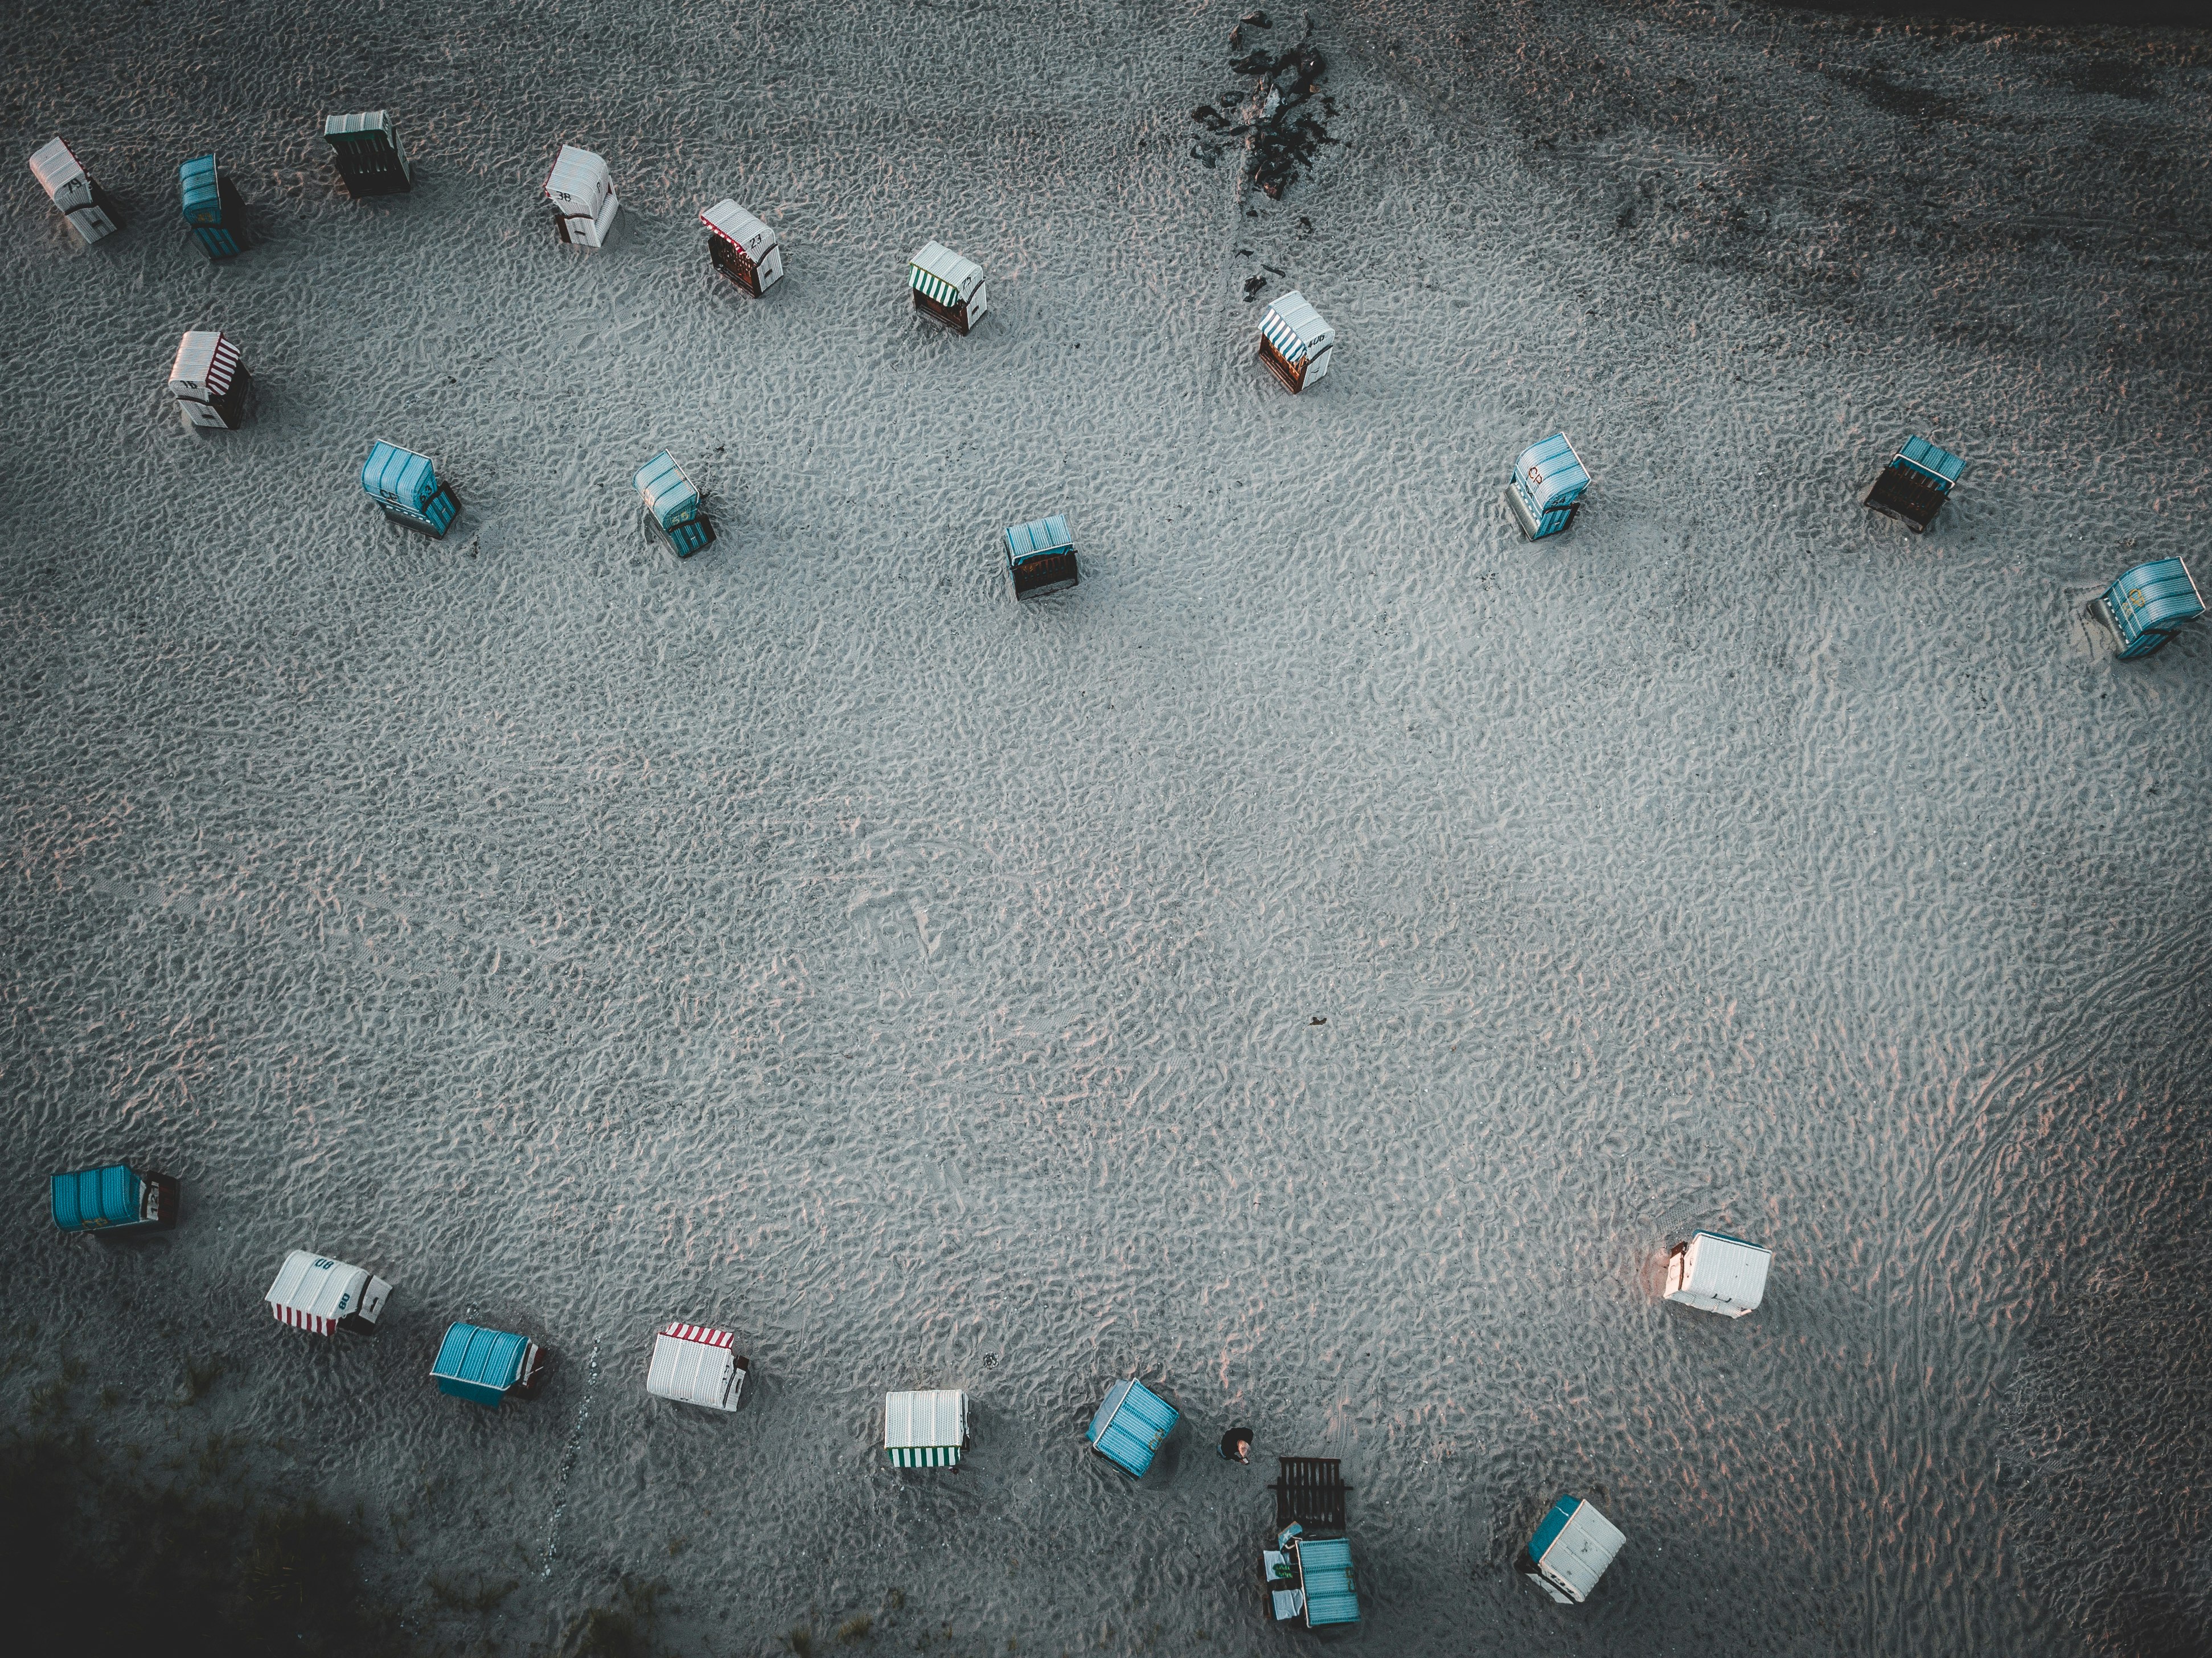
x=193, y=1562
x=1282, y=134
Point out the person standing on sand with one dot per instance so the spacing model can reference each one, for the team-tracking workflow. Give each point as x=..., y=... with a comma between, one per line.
x=1236, y=1445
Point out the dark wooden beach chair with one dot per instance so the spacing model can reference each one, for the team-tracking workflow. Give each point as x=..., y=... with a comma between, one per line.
x=1310, y=1492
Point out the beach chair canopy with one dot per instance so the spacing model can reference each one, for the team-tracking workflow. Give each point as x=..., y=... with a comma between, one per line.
x=480, y=1365
x=1720, y=1274
x=205, y=366
x=1131, y=1426
x=1939, y=467
x=370, y=131
x=739, y=228
x=1572, y=1547
x=694, y=1365
x=313, y=1293
x=1295, y=329
x=399, y=477
x=67, y=185
x=2149, y=602
x=1039, y=539
x=668, y=494
x=91, y=1200
x=1550, y=476
x=939, y=273
x=579, y=184
x=925, y=1431
x=201, y=188
x=1324, y=1573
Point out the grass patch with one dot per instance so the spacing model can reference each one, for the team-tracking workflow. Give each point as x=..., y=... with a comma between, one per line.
x=624, y=1631
x=202, y=1559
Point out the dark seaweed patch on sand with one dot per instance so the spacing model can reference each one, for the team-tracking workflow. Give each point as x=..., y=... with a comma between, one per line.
x=1284, y=131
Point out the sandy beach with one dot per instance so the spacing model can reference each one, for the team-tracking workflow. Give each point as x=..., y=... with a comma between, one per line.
x=1319, y=964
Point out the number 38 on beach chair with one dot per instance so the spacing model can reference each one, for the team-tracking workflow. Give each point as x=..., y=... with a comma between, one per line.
x=583, y=192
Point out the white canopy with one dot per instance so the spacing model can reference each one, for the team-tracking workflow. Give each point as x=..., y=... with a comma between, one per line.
x=206, y=364
x=695, y=1365
x=732, y=223
x=313, y=1293
x=66, y=184
x=962, y=276
x=925, y=1431
x=1719, y=1273
x=579, y=184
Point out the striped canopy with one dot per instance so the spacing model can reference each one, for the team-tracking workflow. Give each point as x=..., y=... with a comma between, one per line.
x=206, y=364
x=925, y=1431
x=1295, y=328
x=693, y=1365
x=313, y=1293
x=939, y=273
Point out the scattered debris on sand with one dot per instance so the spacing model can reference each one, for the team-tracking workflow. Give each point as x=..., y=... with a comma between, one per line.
x=1281, y=135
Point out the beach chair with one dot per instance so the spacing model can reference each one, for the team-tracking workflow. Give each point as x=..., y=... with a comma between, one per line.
x=405, y=485
x=488, y=1367
x=672, y=508
x=1297, y=346
x=741, y=248
x=1131, y=1426
x=1308, y=1573
x=947, y=288
x=323, y=1295
x=2150, y=604
x=209, y=382
x=366, y=151
x=1041, y=557
x=212, y=209
x=72, y=191
x=1916, y=483
x=114, y=1199
x=1572, y=1546
x=693, y=1364
x=1545, y=490
x=1718, y=1273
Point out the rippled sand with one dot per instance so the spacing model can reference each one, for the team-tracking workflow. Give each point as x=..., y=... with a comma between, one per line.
x=1320, y=963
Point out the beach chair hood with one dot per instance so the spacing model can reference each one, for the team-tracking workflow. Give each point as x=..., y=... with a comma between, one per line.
x=693, y=1364
x=315, y=1293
